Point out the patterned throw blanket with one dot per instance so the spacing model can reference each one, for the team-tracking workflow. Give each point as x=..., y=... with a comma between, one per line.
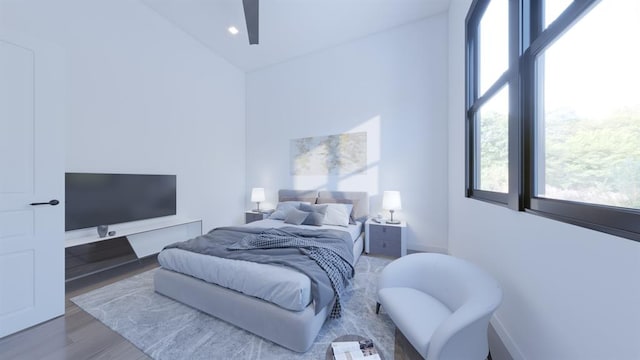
x=331, y=260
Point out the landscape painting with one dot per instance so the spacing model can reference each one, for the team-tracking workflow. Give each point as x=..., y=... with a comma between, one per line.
x=329, y=155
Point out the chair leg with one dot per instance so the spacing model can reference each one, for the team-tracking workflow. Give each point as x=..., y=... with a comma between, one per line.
x=377, y=308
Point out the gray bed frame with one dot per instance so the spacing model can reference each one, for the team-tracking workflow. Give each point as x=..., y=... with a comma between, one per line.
x=295, y=330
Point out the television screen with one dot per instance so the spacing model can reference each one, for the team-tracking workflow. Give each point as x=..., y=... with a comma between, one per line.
x=106, y=199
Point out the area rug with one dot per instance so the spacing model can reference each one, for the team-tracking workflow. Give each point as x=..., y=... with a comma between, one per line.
x=166, y=329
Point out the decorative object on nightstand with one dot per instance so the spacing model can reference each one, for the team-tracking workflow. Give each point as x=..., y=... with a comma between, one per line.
x=391, y=201
x=385, y=239
x=257, y=195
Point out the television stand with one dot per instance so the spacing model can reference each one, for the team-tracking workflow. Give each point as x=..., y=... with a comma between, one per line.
x=87, y=259
x=86, y=253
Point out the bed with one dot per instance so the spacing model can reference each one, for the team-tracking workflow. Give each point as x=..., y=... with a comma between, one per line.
x=268, y=300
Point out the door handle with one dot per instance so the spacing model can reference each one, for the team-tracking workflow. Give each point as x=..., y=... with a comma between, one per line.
x=53, y=202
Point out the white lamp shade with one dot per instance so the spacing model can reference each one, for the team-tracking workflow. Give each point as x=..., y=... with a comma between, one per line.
x=257, y=194
x=391, y=200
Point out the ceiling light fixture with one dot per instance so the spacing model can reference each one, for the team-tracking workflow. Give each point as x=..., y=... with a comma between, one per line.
x=233, y=30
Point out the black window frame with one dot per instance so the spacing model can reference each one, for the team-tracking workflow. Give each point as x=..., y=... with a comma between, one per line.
x=474, y=102
x=527, y=39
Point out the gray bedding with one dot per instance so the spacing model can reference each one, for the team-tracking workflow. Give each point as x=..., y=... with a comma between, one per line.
x=220, y=242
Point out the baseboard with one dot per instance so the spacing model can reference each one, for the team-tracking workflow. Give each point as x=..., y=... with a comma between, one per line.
x=501, y=345
x=430, y=249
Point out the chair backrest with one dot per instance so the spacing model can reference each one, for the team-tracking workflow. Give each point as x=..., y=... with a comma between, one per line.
x=468, y=291
x=456, y=282
x=473, y=295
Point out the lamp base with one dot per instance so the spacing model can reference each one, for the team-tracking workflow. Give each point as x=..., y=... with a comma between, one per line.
x=391, y=221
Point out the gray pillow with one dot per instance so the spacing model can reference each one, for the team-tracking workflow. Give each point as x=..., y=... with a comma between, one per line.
x=296, y=217
x=322, y=209
x=283, y=208
x=316, y=214
x=314, y=218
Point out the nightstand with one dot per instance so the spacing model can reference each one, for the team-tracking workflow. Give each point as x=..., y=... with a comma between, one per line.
x=385, y=239
x=251, y=216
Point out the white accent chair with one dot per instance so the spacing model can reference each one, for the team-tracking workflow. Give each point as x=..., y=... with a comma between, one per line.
x=441, y=304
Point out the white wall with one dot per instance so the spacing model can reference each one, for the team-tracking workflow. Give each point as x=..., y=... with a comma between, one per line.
x=144, y=97
x=569, y=292
x=390, y=85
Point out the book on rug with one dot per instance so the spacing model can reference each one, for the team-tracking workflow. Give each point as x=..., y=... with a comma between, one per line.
x=351, y=350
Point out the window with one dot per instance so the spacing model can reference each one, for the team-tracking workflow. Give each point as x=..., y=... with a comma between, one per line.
x=588, y=141
x=488, y=103
x=494, y=41
x=492, y=144
x=556, y=132
x=553, y=8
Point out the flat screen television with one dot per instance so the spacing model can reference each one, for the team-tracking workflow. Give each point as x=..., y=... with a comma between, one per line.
x=106, y=199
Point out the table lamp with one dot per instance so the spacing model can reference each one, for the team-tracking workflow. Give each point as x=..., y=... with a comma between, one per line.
x=391, y=201
x=257, y=195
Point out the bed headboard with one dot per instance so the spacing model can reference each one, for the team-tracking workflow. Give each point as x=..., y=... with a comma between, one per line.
x=298, y=195
x=360, y=199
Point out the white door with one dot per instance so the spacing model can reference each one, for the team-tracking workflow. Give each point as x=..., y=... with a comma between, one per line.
x=31, y=171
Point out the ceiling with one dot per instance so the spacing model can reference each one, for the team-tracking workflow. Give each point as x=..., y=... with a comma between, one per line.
x=289, y=28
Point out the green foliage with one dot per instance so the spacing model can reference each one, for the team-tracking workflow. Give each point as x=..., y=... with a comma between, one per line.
x=494, y=152
x=594, y=160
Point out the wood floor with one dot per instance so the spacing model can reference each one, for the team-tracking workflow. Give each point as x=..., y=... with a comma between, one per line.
x=76, y=335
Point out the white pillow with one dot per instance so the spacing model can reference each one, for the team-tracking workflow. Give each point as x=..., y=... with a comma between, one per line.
x=338, y=214
x=283, y=209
